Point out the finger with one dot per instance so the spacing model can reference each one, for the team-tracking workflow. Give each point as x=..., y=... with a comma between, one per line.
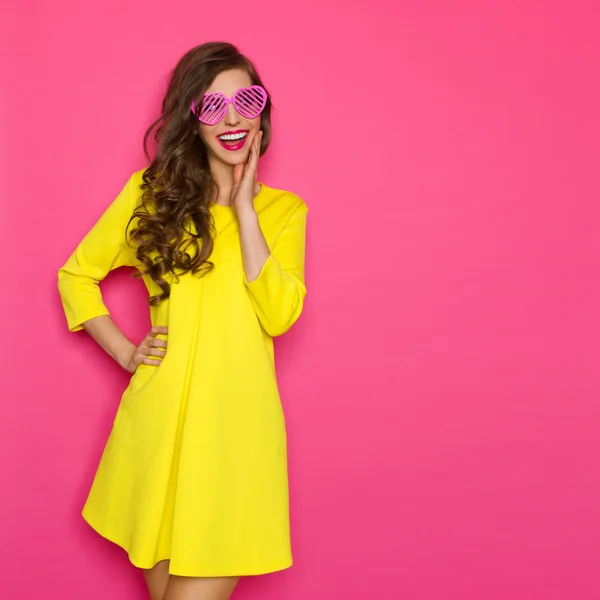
x=238, y=175
x=157, y=329
x=157, y=343
x=252, y=163
x=150, y=361
x=259, y=138
x=255, y=142
x=258, y=146
x=255, y=156
x=157, y=352
x=251, y=140
x=145, y=347
x=249, y=157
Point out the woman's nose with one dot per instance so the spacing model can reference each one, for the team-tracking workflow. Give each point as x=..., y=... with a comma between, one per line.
x=232, y=117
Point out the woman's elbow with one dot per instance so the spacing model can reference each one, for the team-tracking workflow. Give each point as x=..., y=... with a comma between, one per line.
x=280, y=323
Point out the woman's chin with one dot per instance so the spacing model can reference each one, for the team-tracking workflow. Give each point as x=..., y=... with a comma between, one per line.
x=232, y=158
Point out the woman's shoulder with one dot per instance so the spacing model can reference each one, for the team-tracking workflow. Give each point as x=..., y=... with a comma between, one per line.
x=137, y=177
x=134, y=185
x=271, y=198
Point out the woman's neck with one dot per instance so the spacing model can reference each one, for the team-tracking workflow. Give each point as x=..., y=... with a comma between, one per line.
x=223, y=173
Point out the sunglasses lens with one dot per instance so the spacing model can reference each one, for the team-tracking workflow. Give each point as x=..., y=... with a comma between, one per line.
x=250, y=102
x=213, y=109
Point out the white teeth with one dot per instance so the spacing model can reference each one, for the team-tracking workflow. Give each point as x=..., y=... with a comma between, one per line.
x=233, y=136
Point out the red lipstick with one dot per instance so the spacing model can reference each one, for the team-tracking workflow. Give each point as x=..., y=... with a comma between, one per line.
x=234, y=144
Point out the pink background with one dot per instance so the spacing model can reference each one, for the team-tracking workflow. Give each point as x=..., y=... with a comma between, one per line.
x=441, y=388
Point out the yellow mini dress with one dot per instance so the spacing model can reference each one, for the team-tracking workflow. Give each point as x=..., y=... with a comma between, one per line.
x=195, y=468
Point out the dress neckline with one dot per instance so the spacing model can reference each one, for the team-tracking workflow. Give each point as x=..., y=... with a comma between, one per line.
x=228, y=207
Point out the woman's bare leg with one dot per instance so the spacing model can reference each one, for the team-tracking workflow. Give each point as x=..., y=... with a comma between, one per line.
x=157, y=579
x=200, y=588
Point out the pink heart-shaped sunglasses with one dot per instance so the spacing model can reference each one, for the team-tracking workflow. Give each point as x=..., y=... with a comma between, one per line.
x=249, y=102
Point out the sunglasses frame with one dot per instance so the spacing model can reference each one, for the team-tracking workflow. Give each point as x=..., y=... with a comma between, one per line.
x=262, y=97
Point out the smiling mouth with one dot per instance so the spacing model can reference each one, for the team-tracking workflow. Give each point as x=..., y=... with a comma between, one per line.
x=233, y=140
x=233, y=136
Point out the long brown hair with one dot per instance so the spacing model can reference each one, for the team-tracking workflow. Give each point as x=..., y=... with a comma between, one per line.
x=178, y=186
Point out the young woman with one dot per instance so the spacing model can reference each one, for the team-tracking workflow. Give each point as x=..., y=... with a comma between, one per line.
x=193, y=480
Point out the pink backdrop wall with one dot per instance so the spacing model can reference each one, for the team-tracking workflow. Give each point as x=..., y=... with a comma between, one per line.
x=441, y=388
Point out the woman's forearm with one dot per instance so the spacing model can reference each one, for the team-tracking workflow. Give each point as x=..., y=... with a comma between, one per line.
x=104, y=330
x=255, y=250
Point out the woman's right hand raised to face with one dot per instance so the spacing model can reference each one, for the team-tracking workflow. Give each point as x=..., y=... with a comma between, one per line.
x=149, y=347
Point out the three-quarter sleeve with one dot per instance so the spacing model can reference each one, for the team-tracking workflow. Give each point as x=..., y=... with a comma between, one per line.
x=278, y=292
x=103, y=249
